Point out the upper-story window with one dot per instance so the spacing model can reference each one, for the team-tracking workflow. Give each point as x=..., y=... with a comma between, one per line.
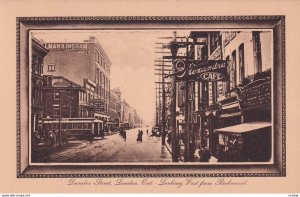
x=214, y=41
x=257, y=51
x=56, y=95
x=241, y=63
x=51, y=67
x=233, y=70
x=37, y=65
x=97, y=75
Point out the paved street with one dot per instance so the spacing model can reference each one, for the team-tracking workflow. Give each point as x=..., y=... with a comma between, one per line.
x=114, y=148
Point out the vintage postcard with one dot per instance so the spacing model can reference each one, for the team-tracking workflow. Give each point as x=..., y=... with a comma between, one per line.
x=200, y=96
x=183, y=102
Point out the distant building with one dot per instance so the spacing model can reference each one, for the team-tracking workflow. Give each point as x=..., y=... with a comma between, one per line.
x=115, y=106
x=129, y=115
x=86, y=64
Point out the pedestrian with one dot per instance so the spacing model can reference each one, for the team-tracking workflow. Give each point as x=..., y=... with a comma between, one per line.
x=147, y=132
x=169, y=140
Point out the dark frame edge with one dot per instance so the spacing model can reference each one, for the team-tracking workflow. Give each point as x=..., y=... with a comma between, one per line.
x=278, y=172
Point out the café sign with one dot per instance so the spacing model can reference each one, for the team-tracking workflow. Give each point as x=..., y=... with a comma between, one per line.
x=180, y=66
x=209, y=70
x=211, y=76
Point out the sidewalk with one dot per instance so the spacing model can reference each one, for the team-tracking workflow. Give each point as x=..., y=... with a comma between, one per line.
x=181, y=157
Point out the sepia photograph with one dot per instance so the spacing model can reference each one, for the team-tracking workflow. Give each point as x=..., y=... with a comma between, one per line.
x=150, y=96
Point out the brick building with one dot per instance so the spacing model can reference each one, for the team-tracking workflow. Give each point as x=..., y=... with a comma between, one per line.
x=86, y=64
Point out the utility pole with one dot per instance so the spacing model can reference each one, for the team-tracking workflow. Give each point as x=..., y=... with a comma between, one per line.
x=59, y=120
x=156, y=107
x=175, y=145
x=162, y=96
x=186, y=114
x=163, y=141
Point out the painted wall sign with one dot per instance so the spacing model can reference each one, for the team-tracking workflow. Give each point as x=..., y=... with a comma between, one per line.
x=62, y=46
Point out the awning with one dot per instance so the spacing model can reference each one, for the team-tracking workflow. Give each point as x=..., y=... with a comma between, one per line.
x=245, y=127
x=210, y=112
x=231, y=114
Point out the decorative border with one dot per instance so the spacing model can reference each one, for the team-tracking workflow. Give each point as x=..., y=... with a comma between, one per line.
x=18, y=89
x=274, y=19
x=283, y=170
x=152, y=18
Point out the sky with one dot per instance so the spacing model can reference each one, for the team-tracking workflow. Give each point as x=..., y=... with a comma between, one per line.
x=132, y=53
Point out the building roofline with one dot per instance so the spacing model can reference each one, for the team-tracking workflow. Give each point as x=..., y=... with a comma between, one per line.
x=39, y=44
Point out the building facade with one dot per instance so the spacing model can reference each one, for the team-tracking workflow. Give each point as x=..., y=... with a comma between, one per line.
x=62, y=98
x=221, y=104
x=38, y=53
x=115, y=107
x=69, y=59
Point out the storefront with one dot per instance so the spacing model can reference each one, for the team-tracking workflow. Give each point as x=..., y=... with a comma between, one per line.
x=246, y=130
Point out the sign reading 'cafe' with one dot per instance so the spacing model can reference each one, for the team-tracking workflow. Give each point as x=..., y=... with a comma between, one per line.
x=210, y=70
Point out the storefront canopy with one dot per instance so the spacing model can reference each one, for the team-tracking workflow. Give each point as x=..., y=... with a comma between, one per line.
x=245, y=127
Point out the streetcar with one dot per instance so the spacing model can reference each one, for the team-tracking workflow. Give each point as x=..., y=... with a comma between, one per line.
x=74, y=127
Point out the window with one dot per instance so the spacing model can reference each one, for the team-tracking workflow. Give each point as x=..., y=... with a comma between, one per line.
x=257, y=51
x=56, y=95
x=56, y=111
x=97, y=75
x=214, y=41
x=228, y=71
x=51, y=67
x=241, y=63
x=233, y=71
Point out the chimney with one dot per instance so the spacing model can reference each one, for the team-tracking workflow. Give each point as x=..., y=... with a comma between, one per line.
x=92, y=38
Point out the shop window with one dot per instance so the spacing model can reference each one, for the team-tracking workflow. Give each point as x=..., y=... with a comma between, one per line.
x=257, y=51
x=241, y=63
x=51, y=67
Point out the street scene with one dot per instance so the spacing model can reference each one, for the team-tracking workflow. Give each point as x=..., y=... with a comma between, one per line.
x=121, y=147
x=155, y=96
